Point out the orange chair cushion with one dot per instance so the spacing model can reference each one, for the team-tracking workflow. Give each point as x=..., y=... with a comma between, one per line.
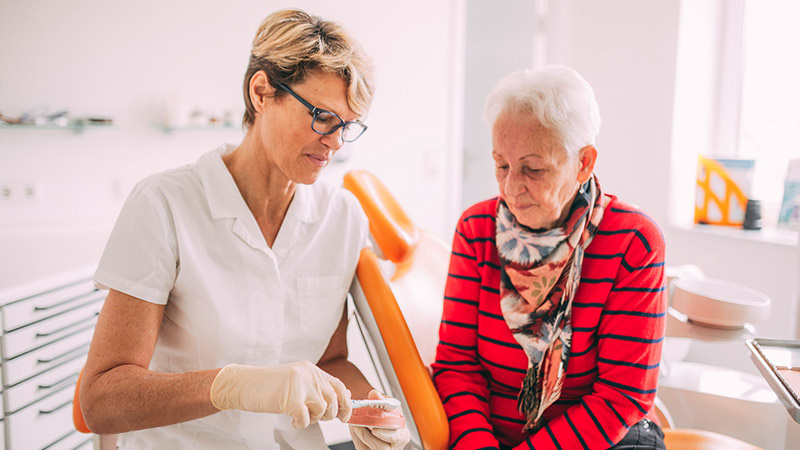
x=77, y=415
x=689, y=439
x=421, y=396
x=393, y=231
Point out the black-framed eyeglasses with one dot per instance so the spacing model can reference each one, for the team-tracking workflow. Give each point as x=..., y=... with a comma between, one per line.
x=325, y=122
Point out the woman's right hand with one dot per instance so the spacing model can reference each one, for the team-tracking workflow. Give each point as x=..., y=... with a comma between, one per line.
x=299, y=389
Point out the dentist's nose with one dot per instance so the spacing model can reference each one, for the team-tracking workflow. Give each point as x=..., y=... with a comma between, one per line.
x=333, y=141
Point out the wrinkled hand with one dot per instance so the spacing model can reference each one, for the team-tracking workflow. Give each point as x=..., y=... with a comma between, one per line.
x=299, y=389
x=369, y=438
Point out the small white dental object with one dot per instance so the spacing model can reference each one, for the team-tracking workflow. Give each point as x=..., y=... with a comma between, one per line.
x=387, y=404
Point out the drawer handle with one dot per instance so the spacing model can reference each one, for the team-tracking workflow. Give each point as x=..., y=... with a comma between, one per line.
x=43, y=412
x=50, y=291
x=79, y=349
x=77, y=355
x=69, y=300
x=46, y=344
x=56, y=383
x=63, y=437
x=60, y=313
x=67, y=327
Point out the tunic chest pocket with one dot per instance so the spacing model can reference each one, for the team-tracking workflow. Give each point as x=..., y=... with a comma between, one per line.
x=319, y=305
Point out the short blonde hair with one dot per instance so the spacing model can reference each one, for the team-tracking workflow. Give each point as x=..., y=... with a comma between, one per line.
x=291, y=44
x=557, y=96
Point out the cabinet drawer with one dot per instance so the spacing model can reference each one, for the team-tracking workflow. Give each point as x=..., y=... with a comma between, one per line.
x=42, y=385
x=43, y=422
x=48, y=358
x=28, y=338
x=71, y=440
x=52, y=301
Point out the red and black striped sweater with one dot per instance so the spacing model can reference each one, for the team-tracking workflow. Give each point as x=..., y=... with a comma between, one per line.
x=618, y=322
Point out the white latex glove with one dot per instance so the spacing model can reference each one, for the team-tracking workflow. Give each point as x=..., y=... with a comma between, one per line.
x=369, y=438
x=299, y=389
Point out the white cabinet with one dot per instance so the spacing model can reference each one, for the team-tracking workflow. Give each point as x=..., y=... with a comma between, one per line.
x=46, y=330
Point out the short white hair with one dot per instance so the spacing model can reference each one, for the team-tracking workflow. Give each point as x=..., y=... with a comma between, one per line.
x=557, y=96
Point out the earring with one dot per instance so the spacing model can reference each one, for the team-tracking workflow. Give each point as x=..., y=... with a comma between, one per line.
x=581, y=190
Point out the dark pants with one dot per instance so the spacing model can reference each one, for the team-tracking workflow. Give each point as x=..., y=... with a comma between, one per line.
x=645, y=435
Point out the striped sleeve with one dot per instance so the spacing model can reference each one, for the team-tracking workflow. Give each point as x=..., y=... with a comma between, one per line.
x=629, y=339
x=457, y=373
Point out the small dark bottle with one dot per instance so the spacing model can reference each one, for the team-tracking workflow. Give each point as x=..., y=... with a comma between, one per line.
x=752, y=215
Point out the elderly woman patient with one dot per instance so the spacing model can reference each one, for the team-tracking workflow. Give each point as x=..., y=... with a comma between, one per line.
x=554, y=307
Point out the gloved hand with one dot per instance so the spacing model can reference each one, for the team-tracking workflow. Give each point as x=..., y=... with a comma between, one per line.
x=369, y=438
x=299, y=389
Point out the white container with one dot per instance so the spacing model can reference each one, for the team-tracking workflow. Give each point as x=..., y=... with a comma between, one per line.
x=719, y=304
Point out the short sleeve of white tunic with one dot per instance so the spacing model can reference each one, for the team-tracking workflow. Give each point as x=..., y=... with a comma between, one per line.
x=141, y=256
x=186, y=239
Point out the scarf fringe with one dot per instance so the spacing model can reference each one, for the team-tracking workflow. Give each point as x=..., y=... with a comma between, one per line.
x=528, y=399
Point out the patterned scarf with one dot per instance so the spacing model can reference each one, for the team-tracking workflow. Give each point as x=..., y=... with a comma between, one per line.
x=540, y=272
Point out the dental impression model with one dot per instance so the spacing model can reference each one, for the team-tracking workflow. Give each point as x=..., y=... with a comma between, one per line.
x=384, y=413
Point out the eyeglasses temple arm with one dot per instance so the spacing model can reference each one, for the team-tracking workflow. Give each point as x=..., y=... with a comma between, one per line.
x=310, y=107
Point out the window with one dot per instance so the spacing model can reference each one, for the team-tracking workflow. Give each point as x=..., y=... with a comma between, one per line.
x=737, y=95
x=769, y=123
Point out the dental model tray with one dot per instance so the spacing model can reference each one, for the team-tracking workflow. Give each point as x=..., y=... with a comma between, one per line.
x=779, y=363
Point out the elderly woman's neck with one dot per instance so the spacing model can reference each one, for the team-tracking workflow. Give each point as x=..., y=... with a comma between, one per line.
x=565, y=211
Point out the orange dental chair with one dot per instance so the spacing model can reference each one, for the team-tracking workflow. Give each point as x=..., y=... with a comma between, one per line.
x=399, y=313
x=404, y=349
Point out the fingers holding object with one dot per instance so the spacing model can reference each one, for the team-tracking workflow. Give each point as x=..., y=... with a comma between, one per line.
x=343, y=400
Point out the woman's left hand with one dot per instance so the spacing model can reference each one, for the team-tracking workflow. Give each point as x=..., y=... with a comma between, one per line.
x=368, y=438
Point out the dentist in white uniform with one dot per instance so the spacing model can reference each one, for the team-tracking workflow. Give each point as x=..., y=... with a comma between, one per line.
x=225, y=322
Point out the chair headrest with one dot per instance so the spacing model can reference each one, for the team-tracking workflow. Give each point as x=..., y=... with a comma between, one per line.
x=393, y=231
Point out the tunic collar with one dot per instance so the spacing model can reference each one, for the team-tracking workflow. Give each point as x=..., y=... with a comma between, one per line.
x=226, y=202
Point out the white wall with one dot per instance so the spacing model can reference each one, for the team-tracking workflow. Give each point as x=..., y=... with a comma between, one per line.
x=626, y=49
x=124, y=59
x=499, y=40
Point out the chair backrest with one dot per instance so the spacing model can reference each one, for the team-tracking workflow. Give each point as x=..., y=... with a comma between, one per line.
x=392, y=230
x=396, y=353
x=402, y=316
x=420, y=260
x=77, y=414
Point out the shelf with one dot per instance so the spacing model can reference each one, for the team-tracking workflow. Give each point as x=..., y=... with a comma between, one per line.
x=170, y=128
x=77, y=126
x=769, y=235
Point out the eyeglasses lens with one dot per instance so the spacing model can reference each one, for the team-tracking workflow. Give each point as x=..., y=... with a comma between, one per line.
x=352, y=131
x=327, y=123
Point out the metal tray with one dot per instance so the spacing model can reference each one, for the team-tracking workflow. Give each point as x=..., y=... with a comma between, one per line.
x=769, y=353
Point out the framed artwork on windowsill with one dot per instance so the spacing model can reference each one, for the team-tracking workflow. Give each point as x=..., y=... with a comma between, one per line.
x=789, y=215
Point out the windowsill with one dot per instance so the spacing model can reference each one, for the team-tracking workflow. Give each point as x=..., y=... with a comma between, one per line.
x=775, y=236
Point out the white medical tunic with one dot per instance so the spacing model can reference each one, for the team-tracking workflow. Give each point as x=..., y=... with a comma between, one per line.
x=186, y=239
